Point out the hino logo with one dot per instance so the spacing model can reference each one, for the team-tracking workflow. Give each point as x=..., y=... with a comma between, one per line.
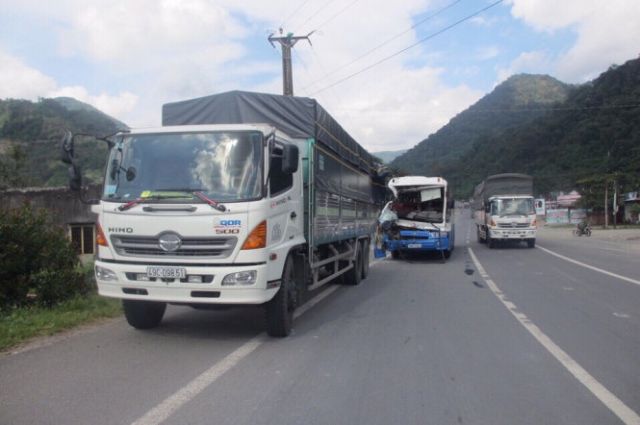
x=120, y=229
x=169, y=242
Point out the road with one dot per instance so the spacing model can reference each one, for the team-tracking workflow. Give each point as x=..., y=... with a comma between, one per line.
x=504, y=336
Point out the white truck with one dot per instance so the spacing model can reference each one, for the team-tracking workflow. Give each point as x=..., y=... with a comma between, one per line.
x=504, y=209
x=239, y=198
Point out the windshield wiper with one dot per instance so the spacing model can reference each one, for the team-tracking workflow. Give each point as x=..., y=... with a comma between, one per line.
x=195, y=192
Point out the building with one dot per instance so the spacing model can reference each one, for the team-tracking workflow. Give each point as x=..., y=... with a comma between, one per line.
x=65, y=209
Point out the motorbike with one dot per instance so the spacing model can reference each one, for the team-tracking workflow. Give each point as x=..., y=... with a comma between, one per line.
x=582, y=229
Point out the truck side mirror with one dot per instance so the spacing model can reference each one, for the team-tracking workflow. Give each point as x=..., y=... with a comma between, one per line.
x=66, y=147
x=290, y=157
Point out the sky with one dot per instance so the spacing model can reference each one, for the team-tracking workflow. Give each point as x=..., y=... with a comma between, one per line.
x=391, y=72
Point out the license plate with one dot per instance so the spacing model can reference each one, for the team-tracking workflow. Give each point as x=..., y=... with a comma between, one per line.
x=167, y=272
x=414, y=245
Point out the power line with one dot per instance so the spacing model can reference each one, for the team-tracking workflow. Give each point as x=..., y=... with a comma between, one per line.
x=313, y=15
x=384, y=43
x=293, y=13
x=337, y=14
x=466, y=18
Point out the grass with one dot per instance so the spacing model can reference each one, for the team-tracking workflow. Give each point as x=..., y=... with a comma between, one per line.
x=22, y=324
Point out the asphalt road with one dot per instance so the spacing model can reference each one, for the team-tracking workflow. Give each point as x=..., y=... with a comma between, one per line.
x=505, y=336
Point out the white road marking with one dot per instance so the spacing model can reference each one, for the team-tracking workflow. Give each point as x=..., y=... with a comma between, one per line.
x=622, y=315
x=571, y=260
x=617, y=406
x=187, y=393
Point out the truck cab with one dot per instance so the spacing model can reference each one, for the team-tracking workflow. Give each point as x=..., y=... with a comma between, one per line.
x=509, y=218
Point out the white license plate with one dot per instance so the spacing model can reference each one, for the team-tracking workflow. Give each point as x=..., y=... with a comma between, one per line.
x=167, y=272
x=414, y=245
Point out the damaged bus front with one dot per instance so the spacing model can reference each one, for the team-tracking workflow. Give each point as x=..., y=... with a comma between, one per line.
x=418, y=219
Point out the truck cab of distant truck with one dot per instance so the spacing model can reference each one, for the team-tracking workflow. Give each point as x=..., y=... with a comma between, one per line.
x=509, y=218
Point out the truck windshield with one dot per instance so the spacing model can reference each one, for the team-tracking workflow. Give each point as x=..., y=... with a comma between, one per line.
x=514, y=206
x=225, y=166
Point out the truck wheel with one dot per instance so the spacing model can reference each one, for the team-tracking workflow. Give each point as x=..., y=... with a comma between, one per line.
x=353, y=276
x=447, y=253
x=531, y=243
x=395, y=254
x=279, y=311
x=490, y=242
x=365, y=259
x=143, y=314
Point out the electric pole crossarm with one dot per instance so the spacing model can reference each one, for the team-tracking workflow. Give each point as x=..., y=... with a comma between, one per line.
x=287, y=42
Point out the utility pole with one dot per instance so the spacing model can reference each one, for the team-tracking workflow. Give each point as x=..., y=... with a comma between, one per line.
x=615, y=204
x=606, y=203
x=287, y=42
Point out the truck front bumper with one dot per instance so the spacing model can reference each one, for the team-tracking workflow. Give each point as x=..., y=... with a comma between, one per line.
x=126, y=280
x=512, y=233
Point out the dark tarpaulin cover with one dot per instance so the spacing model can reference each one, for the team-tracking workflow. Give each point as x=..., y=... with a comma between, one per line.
x=506, y=184
x=299, y=117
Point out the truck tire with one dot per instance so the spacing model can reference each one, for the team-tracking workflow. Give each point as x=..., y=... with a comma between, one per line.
x=279, y=310
x=447, y=253
x=491, y=243
x=531, y=243
x=365, y=259
x=354, y=275
x=395, y=254
x=143, y=314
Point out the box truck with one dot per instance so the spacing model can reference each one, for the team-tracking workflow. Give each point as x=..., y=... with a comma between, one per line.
x=504, y=209
x=239, y=198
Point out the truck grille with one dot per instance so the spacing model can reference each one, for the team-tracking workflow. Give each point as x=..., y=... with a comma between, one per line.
x=148, y=246
x=513, y=225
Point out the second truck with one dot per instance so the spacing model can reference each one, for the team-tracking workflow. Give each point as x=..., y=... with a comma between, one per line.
x=504, y=210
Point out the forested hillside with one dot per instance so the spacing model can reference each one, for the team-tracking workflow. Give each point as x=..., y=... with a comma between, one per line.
x=29, y=135
x=565, y=137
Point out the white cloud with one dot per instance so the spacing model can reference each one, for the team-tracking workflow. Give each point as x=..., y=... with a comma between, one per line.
x=536, y=62
x=19, y=80
x=487, y=52
x=168, y=50
x=114, y=105
x=607, y=33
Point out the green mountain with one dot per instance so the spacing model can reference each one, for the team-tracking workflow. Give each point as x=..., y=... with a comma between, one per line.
x=29, y=140
x=559, y=134
x=516, y=102
x=388, y=156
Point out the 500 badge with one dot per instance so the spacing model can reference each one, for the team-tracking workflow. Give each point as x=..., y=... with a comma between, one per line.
x=228, y=227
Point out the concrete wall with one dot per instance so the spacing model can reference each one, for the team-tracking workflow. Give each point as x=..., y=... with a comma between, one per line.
x=64, y=205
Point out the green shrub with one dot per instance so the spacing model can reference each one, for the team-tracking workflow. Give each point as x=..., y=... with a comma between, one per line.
x=37, y=262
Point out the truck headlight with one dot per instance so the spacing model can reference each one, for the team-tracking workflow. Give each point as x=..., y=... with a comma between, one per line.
x=105, y=274
x=244, y=278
